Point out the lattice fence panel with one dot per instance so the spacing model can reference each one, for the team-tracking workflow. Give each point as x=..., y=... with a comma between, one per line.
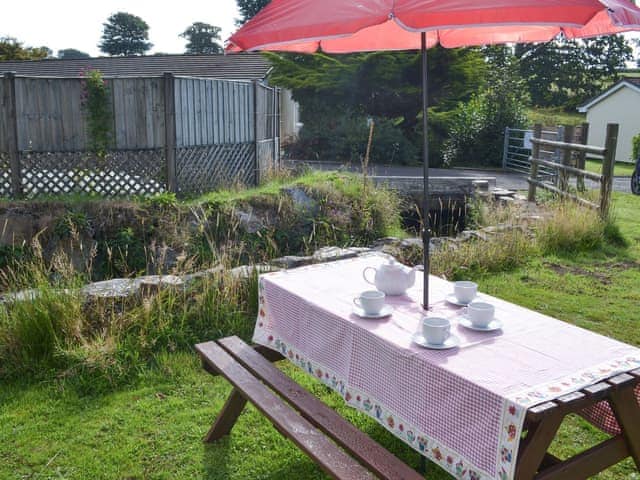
x=5, y=175
x=205, y=168
x=120, y=173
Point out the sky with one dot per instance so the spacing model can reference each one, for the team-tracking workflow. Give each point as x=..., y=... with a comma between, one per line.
x=78, y=24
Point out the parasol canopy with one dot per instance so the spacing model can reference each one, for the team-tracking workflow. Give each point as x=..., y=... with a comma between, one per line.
x=339, y=26
x=347, y=26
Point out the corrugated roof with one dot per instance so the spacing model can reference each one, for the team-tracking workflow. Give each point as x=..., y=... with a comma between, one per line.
x=228, y=67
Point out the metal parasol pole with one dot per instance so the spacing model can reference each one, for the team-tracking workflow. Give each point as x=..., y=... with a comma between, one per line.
x=425, y=177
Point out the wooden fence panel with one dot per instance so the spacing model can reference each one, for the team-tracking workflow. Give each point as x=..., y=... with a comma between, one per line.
x=4, y=115
x=213, y=112
x=49, y=114
x=138, y=112
x=214, y=122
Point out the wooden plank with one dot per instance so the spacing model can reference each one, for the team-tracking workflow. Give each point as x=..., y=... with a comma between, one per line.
x=193, y=124
x=12, y=141
x=591, y=149
x=535, y=445
x=570, y=398
x=227, y=417
x=564, y=194
x=326, y=454
x=563, y=177
x=582, y=156
x=539, y=411
x=622, y=380
x=598, y=389
x=611, y=141
x=220, y=103
x=119, y=113
x=594, y=176
x=357, y=443
x=149, y=107
x=170, y=131
x=625, y=406
x=587, y=463
x=535, y=153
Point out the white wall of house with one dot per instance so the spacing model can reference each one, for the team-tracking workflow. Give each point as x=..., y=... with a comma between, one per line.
x=621, y=107
x=289, y=117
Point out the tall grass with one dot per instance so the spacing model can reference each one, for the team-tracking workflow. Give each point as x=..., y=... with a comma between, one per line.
x=570, y=228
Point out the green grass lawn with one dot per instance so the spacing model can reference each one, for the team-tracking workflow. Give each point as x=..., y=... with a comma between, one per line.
x=620, y=169
x=152, y=429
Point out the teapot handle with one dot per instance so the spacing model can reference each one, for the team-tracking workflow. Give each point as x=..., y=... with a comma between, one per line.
x=364, y=275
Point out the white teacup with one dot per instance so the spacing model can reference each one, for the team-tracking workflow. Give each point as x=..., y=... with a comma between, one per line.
x=436, y=330
x=465, y=291
x=480, y=313
x=371, y=301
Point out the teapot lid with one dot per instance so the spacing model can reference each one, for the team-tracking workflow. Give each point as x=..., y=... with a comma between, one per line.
x=392, y=264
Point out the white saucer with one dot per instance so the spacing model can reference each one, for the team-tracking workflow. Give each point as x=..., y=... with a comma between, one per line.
x=450, y=342
x=451, y=298
x=385, y=312
x=465, y=322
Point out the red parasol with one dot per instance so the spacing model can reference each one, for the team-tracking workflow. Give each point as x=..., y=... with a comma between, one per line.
x=343, y=26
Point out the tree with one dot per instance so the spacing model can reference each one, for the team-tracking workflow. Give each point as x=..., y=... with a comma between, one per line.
x=72, y=53
x=248, y=8
x=125, y=34
x=568, y=72
x=338, y=92
x=201, y=38
x=12, y=49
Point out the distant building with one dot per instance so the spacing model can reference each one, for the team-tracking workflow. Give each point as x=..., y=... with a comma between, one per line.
x=238, y=67
x=619, y=104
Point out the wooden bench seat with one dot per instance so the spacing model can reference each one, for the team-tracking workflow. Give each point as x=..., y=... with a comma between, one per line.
x=338, y=447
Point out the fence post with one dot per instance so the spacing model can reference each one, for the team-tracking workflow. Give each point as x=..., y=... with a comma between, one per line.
x=255, y=129
x=582, y=156
x=505, y=148
x=12, y=134
x=607, y=168
x=567, y=137
x=170, y=130
x=535, y=154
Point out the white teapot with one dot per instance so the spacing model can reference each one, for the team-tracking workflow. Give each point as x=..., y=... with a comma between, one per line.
x=392, y=278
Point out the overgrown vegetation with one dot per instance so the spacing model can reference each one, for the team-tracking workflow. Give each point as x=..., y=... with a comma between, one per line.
x=635, y=147
x=101, y=344
x=106, y=239
x=96, y=102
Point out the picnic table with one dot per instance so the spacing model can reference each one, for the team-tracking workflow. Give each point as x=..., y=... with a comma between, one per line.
x=487, y=409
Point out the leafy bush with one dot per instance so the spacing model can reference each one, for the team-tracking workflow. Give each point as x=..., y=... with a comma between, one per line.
x=344, y=137
x=477, y=129
x=96, y=102
x=635, y=147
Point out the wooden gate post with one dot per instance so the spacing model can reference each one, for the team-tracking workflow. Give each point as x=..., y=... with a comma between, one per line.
x=12, y=134
x=170, y=130
x=607, y=168
x=582, y=156
x=567, y=137
x=505, y=148
x=535, y=155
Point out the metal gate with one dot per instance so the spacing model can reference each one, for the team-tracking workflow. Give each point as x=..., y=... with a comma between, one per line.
x=267, y=129
x=517, y=150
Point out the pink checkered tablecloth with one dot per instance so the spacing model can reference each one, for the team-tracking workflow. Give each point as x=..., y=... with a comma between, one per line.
x=462, y=408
